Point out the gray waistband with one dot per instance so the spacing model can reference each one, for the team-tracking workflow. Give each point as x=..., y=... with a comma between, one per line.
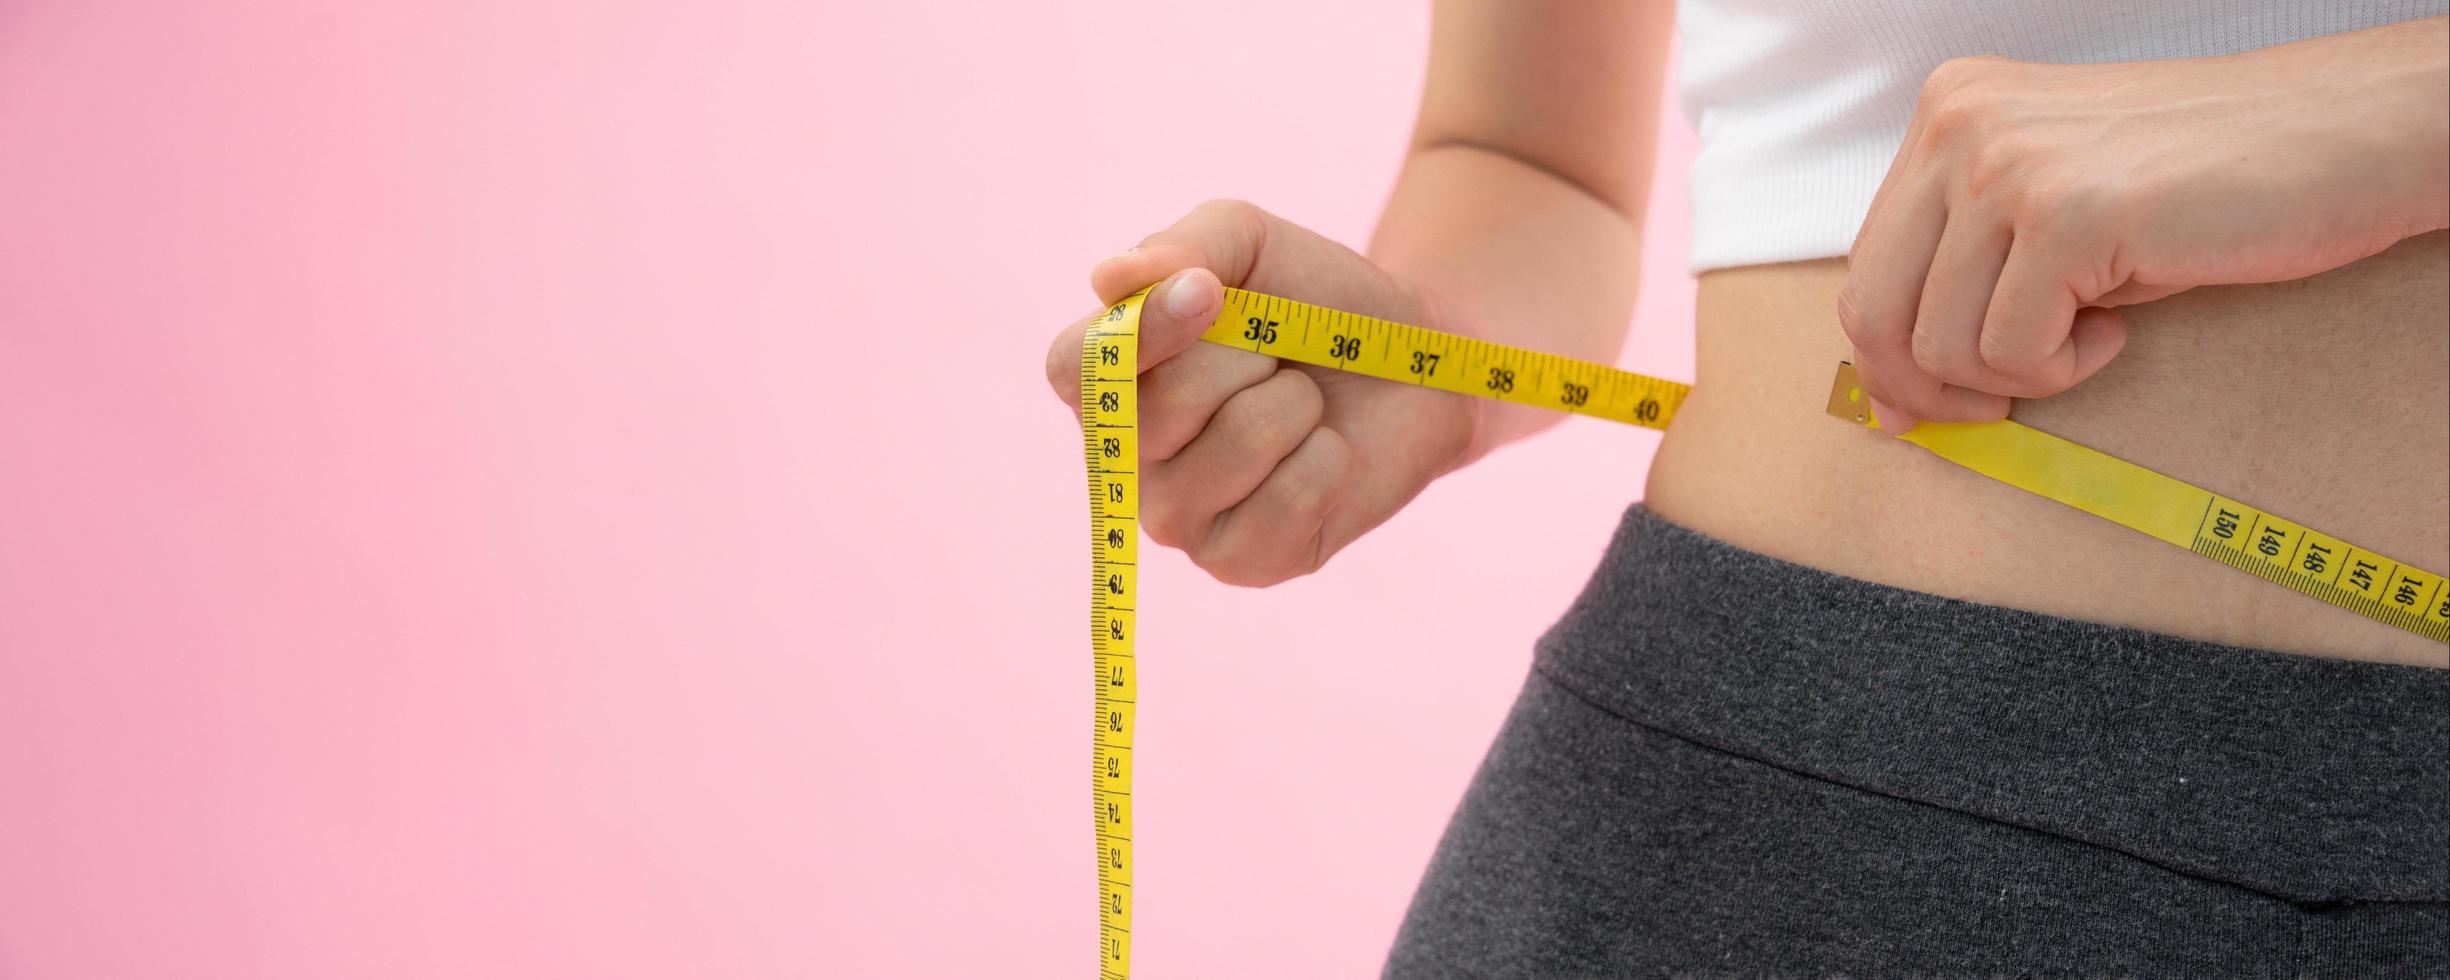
x=2310, y=779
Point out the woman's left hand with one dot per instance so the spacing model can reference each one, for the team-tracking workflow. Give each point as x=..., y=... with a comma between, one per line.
x=2030, y=200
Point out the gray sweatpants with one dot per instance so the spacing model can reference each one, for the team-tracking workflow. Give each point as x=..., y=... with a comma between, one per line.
x=1726, y=765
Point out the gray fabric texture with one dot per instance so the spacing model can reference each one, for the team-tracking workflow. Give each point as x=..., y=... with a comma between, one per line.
x=1726, y=765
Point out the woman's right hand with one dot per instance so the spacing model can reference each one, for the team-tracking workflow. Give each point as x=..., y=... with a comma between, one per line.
x=1257, y=468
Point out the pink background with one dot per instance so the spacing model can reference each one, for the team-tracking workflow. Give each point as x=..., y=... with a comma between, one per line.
x=559, y=489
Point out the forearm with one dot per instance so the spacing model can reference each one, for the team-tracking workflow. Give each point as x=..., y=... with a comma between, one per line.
x=2389, y=92
x=1518, y=215
x=2420, y=71
x=1515, y=254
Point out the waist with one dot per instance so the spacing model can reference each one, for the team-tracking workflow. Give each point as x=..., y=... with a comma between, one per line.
x=2321, y=400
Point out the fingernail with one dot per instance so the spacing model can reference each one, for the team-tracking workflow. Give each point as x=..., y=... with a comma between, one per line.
x=1187, y=295
x=1891, y=419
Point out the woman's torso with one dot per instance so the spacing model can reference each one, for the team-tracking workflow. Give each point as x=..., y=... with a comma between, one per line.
x=2321, y=399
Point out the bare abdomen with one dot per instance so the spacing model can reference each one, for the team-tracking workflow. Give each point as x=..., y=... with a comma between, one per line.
x=2326, y=400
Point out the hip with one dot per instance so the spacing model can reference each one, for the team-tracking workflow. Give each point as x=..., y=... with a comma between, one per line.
x=1725, y=764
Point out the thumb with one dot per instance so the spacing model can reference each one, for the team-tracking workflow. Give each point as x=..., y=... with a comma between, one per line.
x=1176, y=313
x=2132, y=293
x=2097, y=336
x=1177, y=310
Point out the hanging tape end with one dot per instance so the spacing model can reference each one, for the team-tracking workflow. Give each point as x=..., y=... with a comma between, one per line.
x=1846, y=398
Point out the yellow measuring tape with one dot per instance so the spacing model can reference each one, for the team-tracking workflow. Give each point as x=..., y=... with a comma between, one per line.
x=2243, y=537
x=2291, y=554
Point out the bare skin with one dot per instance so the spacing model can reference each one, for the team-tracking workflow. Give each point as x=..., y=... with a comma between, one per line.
x=2360, y=447
x=2152, y=316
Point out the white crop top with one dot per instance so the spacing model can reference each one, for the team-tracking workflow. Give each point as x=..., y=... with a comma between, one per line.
x=1800, y=106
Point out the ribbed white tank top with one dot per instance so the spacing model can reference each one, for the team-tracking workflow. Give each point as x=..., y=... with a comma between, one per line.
x=1801, y=106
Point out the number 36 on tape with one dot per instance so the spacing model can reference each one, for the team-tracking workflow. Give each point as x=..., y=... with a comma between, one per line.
x=2225, y=530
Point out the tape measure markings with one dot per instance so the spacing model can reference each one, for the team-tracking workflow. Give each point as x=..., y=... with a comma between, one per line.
x=2188, y=516
x=1448, y=362
x=2222, y=528
x=1110, y=406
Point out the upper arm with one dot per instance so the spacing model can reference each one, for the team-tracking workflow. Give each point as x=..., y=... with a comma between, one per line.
x=1568, y=86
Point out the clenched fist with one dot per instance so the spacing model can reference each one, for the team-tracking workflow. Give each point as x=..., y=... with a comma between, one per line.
x=2029, y=201
x=1261, y=469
